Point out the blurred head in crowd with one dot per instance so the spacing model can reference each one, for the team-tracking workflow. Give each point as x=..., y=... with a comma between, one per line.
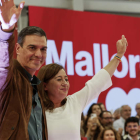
x=138, y=109
x=116, y=114
x=89, y=123
x=102, y=106
x=106, y=118
x=132, y=126
x=109, y=134
x=92, y=128
x=125, y=111
x=94, y=108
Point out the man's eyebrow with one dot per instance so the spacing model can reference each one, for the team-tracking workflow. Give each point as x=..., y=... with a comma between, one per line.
x=36, y=46
x=31, y=45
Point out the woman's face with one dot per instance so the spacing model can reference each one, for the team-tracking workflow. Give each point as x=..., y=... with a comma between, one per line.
x=58, y=86
x=109, y=135
x=96, y=109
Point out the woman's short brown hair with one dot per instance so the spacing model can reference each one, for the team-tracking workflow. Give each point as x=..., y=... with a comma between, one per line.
x=45, y=74
x=117, y=135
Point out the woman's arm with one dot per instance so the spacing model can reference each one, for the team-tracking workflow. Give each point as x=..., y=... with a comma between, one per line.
x=121, y=49
x=101, y=80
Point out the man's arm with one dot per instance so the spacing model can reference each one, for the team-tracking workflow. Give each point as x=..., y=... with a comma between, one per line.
x=9, y=15
x=6, y=54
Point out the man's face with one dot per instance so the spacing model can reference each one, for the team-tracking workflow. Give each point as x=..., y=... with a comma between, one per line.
x=132, y=128
x=138, y=109
x=126, y=112
x=32, y=54
x=107, y=119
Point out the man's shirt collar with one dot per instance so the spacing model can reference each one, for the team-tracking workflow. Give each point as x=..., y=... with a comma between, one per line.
x=33, y=80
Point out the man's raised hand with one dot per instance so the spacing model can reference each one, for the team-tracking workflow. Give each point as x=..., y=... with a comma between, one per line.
x=9, y=14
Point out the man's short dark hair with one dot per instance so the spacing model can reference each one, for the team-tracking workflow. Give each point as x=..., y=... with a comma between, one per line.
x=30, y=30
x=102, y=113
x=129, y=120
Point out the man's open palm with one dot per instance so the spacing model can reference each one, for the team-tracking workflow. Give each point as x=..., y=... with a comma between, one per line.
x=9, y=14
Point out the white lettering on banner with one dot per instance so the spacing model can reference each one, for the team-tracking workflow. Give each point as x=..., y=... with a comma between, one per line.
x=132, y=65
x=67, y=58
x=97, y=57
x=105, y=55
x=117, y=97
x=87, y=62
x=66, y=54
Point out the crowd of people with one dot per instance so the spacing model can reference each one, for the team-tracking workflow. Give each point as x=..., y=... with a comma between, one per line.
x=100, y=124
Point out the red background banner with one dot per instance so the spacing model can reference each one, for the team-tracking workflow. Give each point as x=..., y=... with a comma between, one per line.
x=94, y=35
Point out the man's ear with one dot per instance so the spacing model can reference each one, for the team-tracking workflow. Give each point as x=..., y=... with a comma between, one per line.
x=45, y=86
x=18, y=47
